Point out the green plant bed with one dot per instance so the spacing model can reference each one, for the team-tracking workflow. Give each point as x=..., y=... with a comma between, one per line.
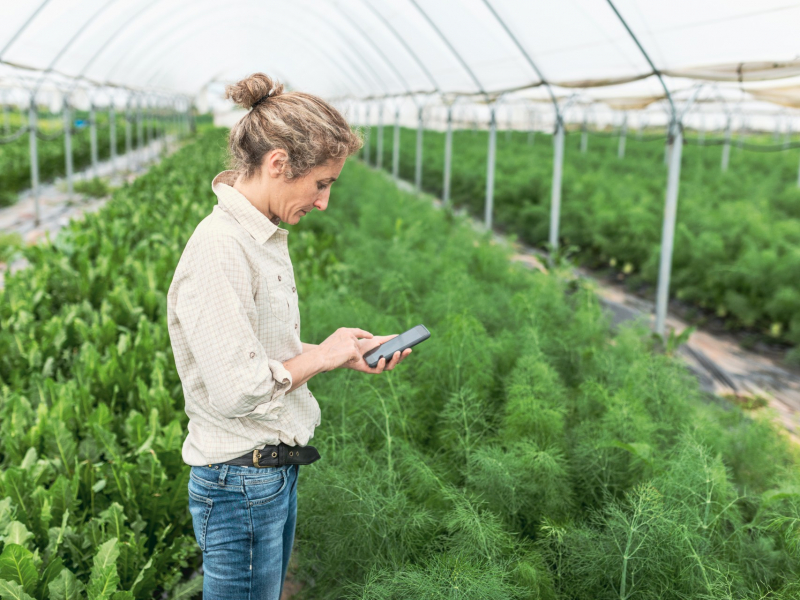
x=737, y=239
x=521, y=452
x=15, y=166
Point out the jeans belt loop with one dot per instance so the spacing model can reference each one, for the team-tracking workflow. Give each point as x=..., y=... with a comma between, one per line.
x=223, y=473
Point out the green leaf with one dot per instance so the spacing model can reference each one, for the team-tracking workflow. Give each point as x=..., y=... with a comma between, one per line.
x=16, y=564
x=104, y=583
x=61, y=444
x=641, y=451
x=188, y=589
x=6, y=513
x=65, y=587
x=106, y=556
x=104, y=578
x=11, y=590
x=16, y=533
x=50, y=573
x=31, y=456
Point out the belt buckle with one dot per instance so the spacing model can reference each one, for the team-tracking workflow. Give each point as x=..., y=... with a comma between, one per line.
x=256, y=458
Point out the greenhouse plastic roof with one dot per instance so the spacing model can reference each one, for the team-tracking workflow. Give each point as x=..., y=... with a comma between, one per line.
x=375, y=48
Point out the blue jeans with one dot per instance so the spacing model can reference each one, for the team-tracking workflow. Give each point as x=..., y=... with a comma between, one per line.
x=244, y=520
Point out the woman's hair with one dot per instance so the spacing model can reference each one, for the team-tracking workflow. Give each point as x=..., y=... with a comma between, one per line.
x=308, y=128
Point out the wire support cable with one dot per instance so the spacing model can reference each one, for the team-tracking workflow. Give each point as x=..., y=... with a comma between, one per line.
x=610, y=134
x=746, y=145
x=11, y=138
x=49, y=137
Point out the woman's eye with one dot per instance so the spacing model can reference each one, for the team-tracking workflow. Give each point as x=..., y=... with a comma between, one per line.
x=322, y=186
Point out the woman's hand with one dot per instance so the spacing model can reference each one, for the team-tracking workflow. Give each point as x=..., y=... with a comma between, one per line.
x=342, y=347
x=365, y=345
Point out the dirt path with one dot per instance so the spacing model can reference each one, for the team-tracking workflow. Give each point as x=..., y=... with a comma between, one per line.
x=57, y=208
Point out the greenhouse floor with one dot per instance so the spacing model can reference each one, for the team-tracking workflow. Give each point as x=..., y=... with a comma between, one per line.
x=57, y=207
x=722, y=366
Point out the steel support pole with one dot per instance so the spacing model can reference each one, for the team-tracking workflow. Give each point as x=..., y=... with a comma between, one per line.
x=154, y=129
x=34, y=156
x=396, y=145
x=555, y=197
x=145, y=113
x=490, y=164
x=93, y=137
x=418, y=165
x=668, y=233
x=448, y=156
x=367, y=136
x=623, y=132
x=787, y=134
x=532, y=130
x=701, y=134
x=67, y=115
x=726, y=148
x=584, y=136
x=742, y=128
x=379, y=158
x=798, y=176
x=139, y=131
x=129, y=136
x=112, y=136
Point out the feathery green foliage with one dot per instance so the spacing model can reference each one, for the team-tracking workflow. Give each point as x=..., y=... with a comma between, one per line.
x=737, y=238
x=522, y=452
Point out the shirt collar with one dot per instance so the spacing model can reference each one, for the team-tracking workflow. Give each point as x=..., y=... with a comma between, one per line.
x=239, y=207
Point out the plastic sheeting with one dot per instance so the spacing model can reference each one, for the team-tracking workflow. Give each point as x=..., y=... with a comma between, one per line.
x=374, y=48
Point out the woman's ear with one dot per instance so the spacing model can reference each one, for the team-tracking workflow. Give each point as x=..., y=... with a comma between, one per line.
x=276, y=162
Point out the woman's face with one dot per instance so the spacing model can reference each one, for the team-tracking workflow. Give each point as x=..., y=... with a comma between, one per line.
x=292, y=199
x=289, y=200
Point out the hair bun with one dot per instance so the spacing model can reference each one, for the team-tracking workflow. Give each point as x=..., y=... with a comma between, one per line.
x=253, y=89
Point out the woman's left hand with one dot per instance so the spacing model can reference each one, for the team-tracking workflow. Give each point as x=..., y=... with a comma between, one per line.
x=368, y=344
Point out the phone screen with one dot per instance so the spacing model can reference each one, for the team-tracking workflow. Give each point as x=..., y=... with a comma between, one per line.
x=407, y=339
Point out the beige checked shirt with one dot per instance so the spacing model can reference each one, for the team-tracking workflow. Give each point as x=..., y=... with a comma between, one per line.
x=233, y=319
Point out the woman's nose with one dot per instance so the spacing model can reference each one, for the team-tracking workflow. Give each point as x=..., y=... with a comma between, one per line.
x=322, y=203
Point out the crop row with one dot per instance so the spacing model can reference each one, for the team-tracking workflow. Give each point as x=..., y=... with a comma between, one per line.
x=737, y=240
x=522, y=452
x=15, y=164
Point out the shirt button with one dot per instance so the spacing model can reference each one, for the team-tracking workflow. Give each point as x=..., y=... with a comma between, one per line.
x=295, y=325
x=293, y=288
x=252, y=355
x=279, y=277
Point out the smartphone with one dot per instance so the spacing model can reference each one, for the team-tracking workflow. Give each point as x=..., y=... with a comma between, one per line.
x=412, y=337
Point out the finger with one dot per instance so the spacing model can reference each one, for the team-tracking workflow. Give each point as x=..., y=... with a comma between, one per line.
x=405, y=353
x=381, y=365
x=394, y=361
x=360, y=333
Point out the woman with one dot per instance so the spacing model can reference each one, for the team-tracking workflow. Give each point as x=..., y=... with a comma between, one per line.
x=234, y=326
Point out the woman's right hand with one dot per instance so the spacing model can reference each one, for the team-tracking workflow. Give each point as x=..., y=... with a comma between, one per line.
x=342, y=347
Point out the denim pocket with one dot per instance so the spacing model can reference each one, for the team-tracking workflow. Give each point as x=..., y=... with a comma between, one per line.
x=200, y=507
x=263, y=490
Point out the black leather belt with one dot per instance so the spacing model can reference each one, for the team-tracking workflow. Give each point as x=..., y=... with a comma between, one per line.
x=276, y=456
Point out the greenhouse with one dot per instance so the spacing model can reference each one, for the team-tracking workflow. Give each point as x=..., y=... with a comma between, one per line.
x=592, y=206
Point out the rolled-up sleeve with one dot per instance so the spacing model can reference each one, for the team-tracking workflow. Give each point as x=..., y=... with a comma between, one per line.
x=218, y=313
